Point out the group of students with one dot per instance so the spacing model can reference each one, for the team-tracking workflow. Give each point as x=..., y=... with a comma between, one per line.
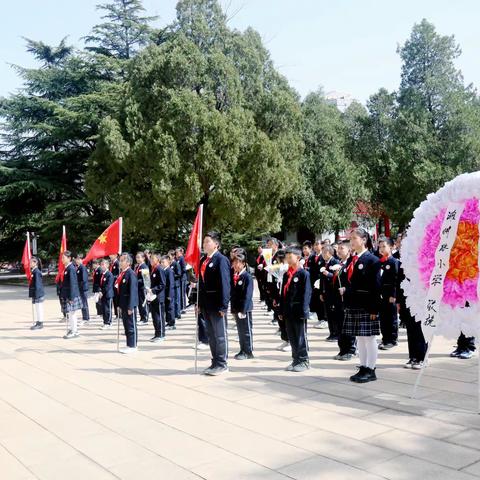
x=353, y=289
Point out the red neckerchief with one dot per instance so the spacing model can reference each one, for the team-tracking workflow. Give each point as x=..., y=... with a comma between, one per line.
x=384, y=258
x=204, y=266
x=236, y=276
x=258, y=259
x=351, y=266
x=119, y=280
x=291, y=272
x=317, y=258
x=102, y=278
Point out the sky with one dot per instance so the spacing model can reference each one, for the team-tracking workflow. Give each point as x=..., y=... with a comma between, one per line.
x=348, y=46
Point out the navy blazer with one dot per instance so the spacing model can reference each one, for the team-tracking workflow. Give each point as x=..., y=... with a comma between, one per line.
x=241, y=298
x=169, y=284
x=183, y=267
x=389, y=278
x=315, y=263
x=157, y=283
x=82, y=276
x=295, y=305
x=115, y=268
x=35, y=289
x=363, y=289
x=327, y=286
x=177, y=272
x=128, y=291
x=69, y=288
x=97, y=275
x=107, y=285
x=138, y=272
x=214, y=286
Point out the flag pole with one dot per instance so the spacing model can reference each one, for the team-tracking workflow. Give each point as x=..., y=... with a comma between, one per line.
x=29, y=256
x=199, y=240
x=120, y=233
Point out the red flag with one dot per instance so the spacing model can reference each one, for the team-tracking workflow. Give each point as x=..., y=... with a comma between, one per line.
x=26, y=256
x=108, y=243
x=61, y=266
x=192, y=255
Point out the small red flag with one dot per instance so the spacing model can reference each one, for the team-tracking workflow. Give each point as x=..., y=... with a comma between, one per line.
x=108, y=243
x=26, y=256
x=61, y=266
x=192, y=255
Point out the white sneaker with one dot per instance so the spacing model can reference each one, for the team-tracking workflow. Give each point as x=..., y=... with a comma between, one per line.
x=105, y=326
x=70, y=334
x=202, y=346
x=284, y=347
x=321, y=324
x=128, y=350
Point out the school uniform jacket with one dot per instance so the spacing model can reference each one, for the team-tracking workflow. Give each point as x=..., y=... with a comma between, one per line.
x=363, y=289
x=183, y=268
x=35, y=289
x=214, y=285
x=106, y=285
x=97, y=275
x=295, y=304
x=169, y=293
x=389, y=279
x=138, y=272
x=82, y=277
x=69, y=288
x=157, y=283
x=128, y=290
x=115, y=268
x=315, y=263
x=241, y=299
x=327, y=286
x=177, y=272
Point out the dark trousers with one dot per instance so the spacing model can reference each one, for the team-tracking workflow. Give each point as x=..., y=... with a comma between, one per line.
x=217, y=335
x=316, y=305
x=202, y=329
x=388, y=322
x=346, y=343
x=270, y=293
x=466, y=344
x=85, y=311
x=99, y=307
x=245, y=332
x=183, y=295
x=297, y=334
x=170, y=312
x=142, y=306
x=283, y=330
x=158, y=317
x=130, y=327
x=115, y=302
x=107, y=310
x=333, y=318
x=417, y=348
x=177, y=300
x=261, y=288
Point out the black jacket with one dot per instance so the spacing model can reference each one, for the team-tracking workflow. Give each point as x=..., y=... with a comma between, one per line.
x=115, y=268
x=106, y=286
x=241, y=298
x=315, y=263
x=169, y=294
x=295, y=305
x=82, y=277
x=389, y=279
x=214, y=286
x=138, y=272
x=69, y=288
x=328, y=287
x=177, y=273
x=363, y=289
x=35, y=289
x=157, y=283
x=97, y=275
x=183, y=268
x=128, y=290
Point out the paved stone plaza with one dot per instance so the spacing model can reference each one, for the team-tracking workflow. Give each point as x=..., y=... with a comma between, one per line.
x=76, y=409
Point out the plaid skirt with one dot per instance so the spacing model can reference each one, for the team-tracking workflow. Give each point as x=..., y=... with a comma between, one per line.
x=71, y=307
x=357, y=323
x=38, y=300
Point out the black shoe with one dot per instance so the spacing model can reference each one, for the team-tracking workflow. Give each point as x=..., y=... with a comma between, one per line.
x=373, y=375
x=361, y=376
x=171, y=327
x=37, y=326
x=331, y=338
x=213, y=372
x=243, y=356
x=183, y=312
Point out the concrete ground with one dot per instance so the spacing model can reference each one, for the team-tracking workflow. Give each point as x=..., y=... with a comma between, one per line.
x=77, y=409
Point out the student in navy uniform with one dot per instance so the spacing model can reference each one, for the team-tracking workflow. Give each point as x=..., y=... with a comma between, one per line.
x=329, y=295
x=295, y=306
x=82, y=277
x=362, y=299
x=70, y=295
x=36, y=293
x=417, y=347
x=107, y=294
x=115, y=269
x=307, y=254
x=214, y=296
x=241, y=305
x=260, y=273
x=97, y=274
x=315, y=264
x=347, y=344
x=157, y=306
x=175, y=266
x=127, y=287
x=388, y=292
x=179, y=254
x=270, y=281
x=140, y=267
x=166, y=262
